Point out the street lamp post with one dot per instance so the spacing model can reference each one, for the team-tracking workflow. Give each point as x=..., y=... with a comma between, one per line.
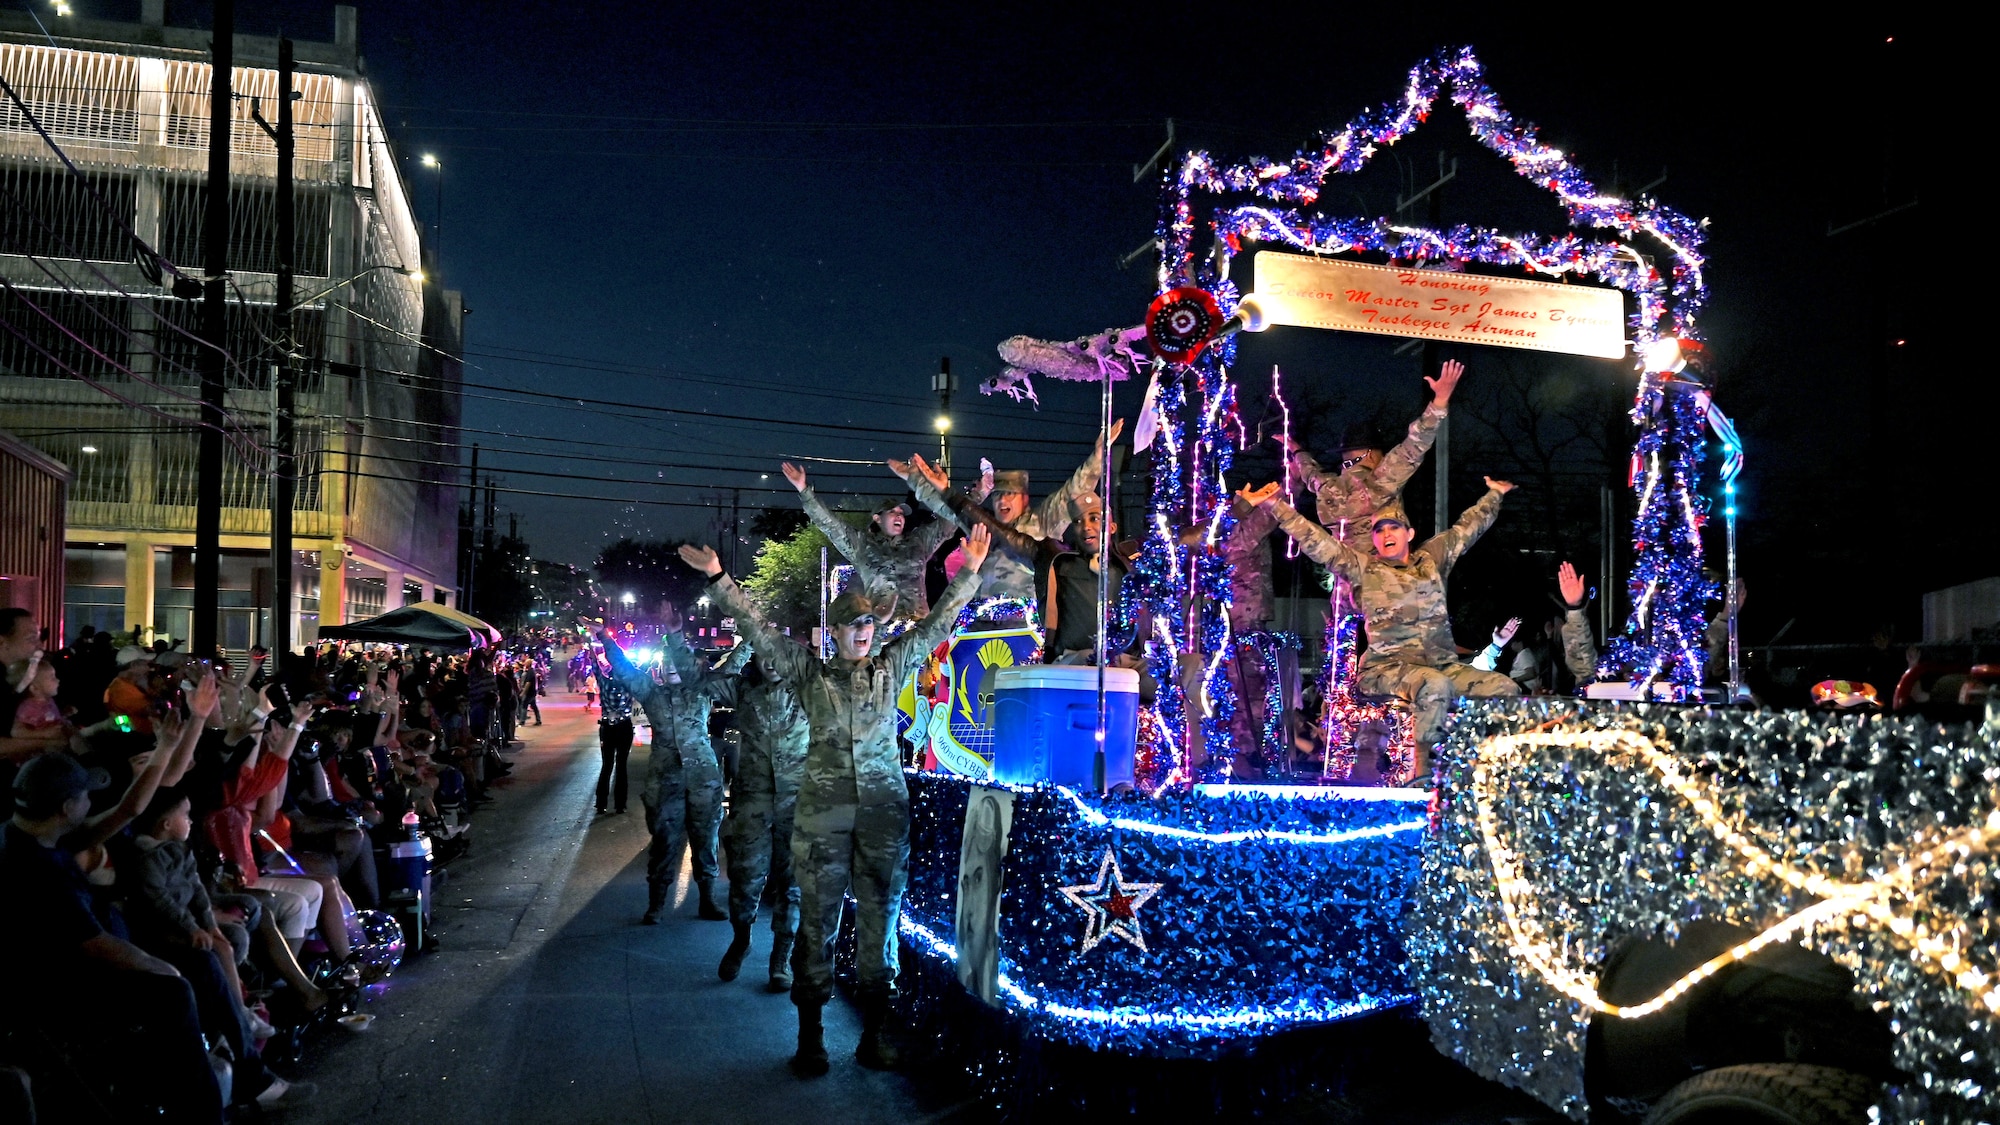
x=437, y=210
x=943, y=384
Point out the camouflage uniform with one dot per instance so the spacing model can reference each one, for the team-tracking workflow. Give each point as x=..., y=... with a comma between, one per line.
x=1006, y=575
x=762, y=801
x=852, y=829
x=1249, y=555
x=1579, y=647
x=1410, y=650
x=1354, y=496
x=682, y=794
x=885, y=563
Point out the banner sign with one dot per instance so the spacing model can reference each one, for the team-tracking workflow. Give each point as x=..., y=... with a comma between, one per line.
x=1429, y=304
x=946, y=709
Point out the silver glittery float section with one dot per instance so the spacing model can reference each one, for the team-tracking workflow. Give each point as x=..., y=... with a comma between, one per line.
x=1901, y=812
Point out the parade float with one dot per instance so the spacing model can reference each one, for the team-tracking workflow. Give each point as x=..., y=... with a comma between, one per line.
x=1063, y=915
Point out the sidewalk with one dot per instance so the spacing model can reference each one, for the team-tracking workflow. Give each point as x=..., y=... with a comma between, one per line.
x=547, y=1002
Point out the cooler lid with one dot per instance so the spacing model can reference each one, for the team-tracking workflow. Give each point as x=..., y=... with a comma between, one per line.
x=1064, y=677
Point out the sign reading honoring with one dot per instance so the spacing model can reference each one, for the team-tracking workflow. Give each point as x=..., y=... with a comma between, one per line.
x=1459, y=308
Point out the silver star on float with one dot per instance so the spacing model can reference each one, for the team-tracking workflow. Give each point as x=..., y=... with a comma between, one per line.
x=1111, y=905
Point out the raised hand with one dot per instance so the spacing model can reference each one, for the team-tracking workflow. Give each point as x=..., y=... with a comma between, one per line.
x=1104, y=439
x=930, y=473
x=301, y=711
x=796, y=475
x=976, y=545
x=1506, y=632
x=1503, y=487
x=1446, y=381
x=900, y=468
x=1570, y=584
x=703, y=558
x=1256, y=496
x=1285, y=442
x=206, y=696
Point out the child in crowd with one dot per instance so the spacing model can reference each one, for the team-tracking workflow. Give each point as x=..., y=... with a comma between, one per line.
x=38, y=715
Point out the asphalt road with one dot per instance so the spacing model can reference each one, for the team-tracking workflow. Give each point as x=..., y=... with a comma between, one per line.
x=547, y=1002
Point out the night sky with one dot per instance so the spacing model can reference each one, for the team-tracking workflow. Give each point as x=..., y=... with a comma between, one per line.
x=791, y=214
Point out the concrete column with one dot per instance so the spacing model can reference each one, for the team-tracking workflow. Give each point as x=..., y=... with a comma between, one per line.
x=429, y=592
x=392, y=583
x=333, y=586
x=138, y=584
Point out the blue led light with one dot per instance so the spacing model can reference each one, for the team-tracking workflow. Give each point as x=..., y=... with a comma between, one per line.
x=1248, y=1018
x=1097, y=819
x=1315, y=792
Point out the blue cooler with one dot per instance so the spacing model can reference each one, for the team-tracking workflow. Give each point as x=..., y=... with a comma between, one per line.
x=1045, y=724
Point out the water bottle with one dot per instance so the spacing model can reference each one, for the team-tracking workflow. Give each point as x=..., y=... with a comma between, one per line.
x=411, y=826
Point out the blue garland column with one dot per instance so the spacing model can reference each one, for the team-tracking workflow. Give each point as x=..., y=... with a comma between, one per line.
x=1669, y=593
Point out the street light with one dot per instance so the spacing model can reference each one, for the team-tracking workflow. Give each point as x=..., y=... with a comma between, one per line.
x=628, y=599
x=437, y=211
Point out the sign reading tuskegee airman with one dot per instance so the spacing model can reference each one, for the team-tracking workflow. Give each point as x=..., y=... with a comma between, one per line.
x=1444, y=305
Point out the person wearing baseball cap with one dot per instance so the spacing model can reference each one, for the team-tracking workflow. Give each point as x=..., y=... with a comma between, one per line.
x=1401, y=591
x=888, y=557
x=852, y=826
x=129, y=693
x=71, y=976
x=1006, y=496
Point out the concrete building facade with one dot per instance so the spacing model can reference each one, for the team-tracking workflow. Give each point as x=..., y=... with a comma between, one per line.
x=104, y=155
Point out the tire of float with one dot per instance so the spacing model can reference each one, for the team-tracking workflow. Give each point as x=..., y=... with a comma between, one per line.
x=1773, y=1093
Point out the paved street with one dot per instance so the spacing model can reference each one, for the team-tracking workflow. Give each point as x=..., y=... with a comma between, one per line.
x=548, y=1003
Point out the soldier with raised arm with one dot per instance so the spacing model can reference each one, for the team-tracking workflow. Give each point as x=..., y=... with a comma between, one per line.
x=682, y=795
x=1401, y=592
x=852, y=828
x=1367, y=479
x=1007, y=501
x=889, y=558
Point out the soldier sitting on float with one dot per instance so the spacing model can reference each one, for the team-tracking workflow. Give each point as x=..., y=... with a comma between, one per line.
x=1401, y=592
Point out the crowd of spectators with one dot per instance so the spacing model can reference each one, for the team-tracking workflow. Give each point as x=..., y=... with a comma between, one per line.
x=190, y=840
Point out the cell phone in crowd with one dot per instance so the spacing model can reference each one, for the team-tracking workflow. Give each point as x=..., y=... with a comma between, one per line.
x=122, y=723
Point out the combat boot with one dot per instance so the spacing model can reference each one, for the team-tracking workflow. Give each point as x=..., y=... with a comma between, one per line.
x=781, y=963
x=739, y=948
x=810, y=1061
x=709, y=911
x=654, y=905
x=877, y=1050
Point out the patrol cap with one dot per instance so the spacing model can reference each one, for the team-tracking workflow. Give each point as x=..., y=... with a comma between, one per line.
x=1361, y=436
x=850, y=607
x=1394, y=513
x=1085, y=503
x=1011, y=480
x=891, y=503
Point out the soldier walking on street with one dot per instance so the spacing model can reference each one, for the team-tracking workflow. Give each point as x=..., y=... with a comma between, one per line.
x=683, y=791
x=762, y=800
x=853, y=824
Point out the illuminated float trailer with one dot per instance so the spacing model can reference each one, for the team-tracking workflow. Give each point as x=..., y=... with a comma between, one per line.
x=1624, y=910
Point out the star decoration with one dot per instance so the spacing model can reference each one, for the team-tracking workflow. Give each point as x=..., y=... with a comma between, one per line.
x=1111, y=905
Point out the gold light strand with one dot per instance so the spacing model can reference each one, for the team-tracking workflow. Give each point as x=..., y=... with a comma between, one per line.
x=1864, y=901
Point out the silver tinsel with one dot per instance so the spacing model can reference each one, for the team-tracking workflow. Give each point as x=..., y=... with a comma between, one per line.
x=1607, y=850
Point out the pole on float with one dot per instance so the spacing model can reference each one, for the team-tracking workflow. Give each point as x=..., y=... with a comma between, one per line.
x=1097, y=763
x=825, y=638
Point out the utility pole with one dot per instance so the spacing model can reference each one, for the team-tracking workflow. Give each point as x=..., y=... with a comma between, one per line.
x=735, y=527
x=943, y=384
x=472, y=533
x=215, y=330
x=284, y=380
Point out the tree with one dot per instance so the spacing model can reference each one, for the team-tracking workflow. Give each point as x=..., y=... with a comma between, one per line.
x=649, y=570
x=785, y=580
